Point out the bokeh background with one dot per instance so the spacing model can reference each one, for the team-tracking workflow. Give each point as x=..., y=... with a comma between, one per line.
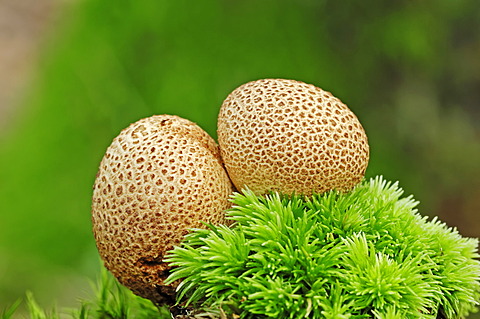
x=74, y=73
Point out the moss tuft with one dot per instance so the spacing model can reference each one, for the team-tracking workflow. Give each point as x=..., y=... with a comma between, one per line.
x=363, y=254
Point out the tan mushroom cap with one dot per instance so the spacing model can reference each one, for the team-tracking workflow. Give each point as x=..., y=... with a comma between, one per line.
x=160, y=177
x=292, y=137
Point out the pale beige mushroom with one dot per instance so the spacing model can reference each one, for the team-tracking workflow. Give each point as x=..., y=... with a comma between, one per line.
x=289, y=136
x=160, y=177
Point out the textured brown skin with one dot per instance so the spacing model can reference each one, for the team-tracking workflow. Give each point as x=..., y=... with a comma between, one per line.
x=160, y=177
x=291, y=137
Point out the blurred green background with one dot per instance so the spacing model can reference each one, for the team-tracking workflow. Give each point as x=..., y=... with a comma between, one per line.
x=410, y=70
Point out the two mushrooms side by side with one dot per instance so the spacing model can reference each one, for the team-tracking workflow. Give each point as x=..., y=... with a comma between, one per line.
x=164, y=175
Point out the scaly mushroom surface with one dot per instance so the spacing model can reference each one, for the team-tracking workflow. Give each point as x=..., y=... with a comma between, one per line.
x=292, y=137
x=160, y=177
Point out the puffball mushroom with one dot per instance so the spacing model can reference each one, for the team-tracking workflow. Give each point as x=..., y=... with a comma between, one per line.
x=160, y=177
x=291, y=137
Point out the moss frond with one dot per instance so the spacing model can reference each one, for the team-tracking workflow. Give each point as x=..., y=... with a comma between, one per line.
x=9, y=311
x=36, y=312
x=363, y=254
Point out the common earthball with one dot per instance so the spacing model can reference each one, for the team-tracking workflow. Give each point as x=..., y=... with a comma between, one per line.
x=160, y=177
x=291, y=137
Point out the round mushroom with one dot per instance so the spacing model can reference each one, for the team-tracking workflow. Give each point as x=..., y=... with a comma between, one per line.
x=160, y=177
x=292, y=137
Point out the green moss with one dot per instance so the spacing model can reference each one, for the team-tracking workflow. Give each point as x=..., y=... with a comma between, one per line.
x=109, y=300
x=364, y=254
